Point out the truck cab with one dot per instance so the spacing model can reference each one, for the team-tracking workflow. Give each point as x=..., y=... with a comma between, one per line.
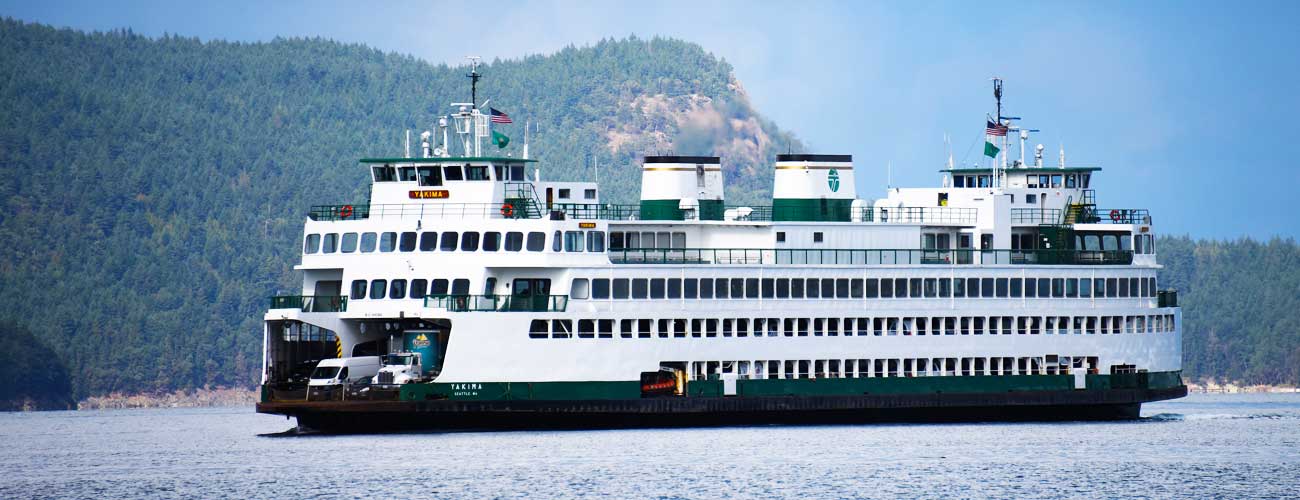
x=400, y=368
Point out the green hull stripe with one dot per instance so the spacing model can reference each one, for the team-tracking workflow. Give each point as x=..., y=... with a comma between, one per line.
x=815, y=210
x=499, y=391
x=669, y=210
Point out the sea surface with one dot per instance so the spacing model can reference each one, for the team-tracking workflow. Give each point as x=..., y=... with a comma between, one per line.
x=1202, y=446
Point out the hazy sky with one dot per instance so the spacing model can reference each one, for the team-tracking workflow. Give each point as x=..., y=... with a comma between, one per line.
x=1190, y=107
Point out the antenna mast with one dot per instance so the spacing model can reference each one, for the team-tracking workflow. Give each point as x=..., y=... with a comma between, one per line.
x=473, y=80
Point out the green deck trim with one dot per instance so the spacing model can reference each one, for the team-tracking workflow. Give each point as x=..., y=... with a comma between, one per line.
x=450, y=159
x=812, y=209
x=631, y=389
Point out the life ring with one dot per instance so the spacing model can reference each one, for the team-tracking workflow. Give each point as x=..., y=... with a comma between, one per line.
x=1114, y=215
x=346, y=212
x=507, y=210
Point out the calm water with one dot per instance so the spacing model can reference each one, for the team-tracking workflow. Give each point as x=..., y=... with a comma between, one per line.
x=1235, y=446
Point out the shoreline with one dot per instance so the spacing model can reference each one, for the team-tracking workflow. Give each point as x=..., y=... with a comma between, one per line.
x=194, y=398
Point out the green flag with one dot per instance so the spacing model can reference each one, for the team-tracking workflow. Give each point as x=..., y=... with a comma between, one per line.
x=500, y=139
x=990, y=150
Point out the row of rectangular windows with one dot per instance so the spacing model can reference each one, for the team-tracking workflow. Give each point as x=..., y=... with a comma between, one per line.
x=417, y=289
x=450, y=241
x=858, y=288
x=848, y=327
x=894, y=367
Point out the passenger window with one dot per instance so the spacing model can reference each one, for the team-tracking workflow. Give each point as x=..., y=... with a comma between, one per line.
x=330, y=243
x=640, y=288
x=600, y=288
x=842, y=288
x=706, y=288
x=557, y=242
x=564, y=194
x=397, y=290
x=469, y=241
x=491, y=241
x=460, y=287
x=536, y=241
x=439, y=287
x=796, y=288
x=657, y=288
x=377, y=289
x=679, y=240
x=428, y=241
x=622, y=288
x=311, y=244
x=387, y=241
x=514, y=241
x=358, y=289
x=595, y=241
x=812, y=288
x=367, y=242
x=751, y=288
x=449, y=240
x=349, y=243
x=580, y=289
x=738, y=288
x=573, y=241
x=872, y=288
x=589, y=194
x=408, y=241
x=418, y=288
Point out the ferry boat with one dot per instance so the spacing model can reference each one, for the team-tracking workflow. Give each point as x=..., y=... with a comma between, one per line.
x=498, y=299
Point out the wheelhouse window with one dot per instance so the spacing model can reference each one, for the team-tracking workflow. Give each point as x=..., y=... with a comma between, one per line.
x=517, y=173
x=384, y=173
x=589, y=194
x=565, y=194
x=476, y=173
x=406, y=174
x=452, y=173
x=429, y=176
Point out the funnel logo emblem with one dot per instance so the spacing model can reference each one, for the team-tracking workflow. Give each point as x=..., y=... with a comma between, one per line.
x=833, y=180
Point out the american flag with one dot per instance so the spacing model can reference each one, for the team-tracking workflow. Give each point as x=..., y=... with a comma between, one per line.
x=991, y=129
x=501, y=117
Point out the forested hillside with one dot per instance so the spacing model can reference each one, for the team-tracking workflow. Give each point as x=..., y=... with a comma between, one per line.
x=1241, y=307
x=152, y=191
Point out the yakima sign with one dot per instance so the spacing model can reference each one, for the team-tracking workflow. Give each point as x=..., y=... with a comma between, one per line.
x=430, y=194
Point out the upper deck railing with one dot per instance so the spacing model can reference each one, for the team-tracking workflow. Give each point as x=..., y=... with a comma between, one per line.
x=502, y=303
x=617, y=212
x=311, y=303
x=866, y=257
x=1035, y=215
